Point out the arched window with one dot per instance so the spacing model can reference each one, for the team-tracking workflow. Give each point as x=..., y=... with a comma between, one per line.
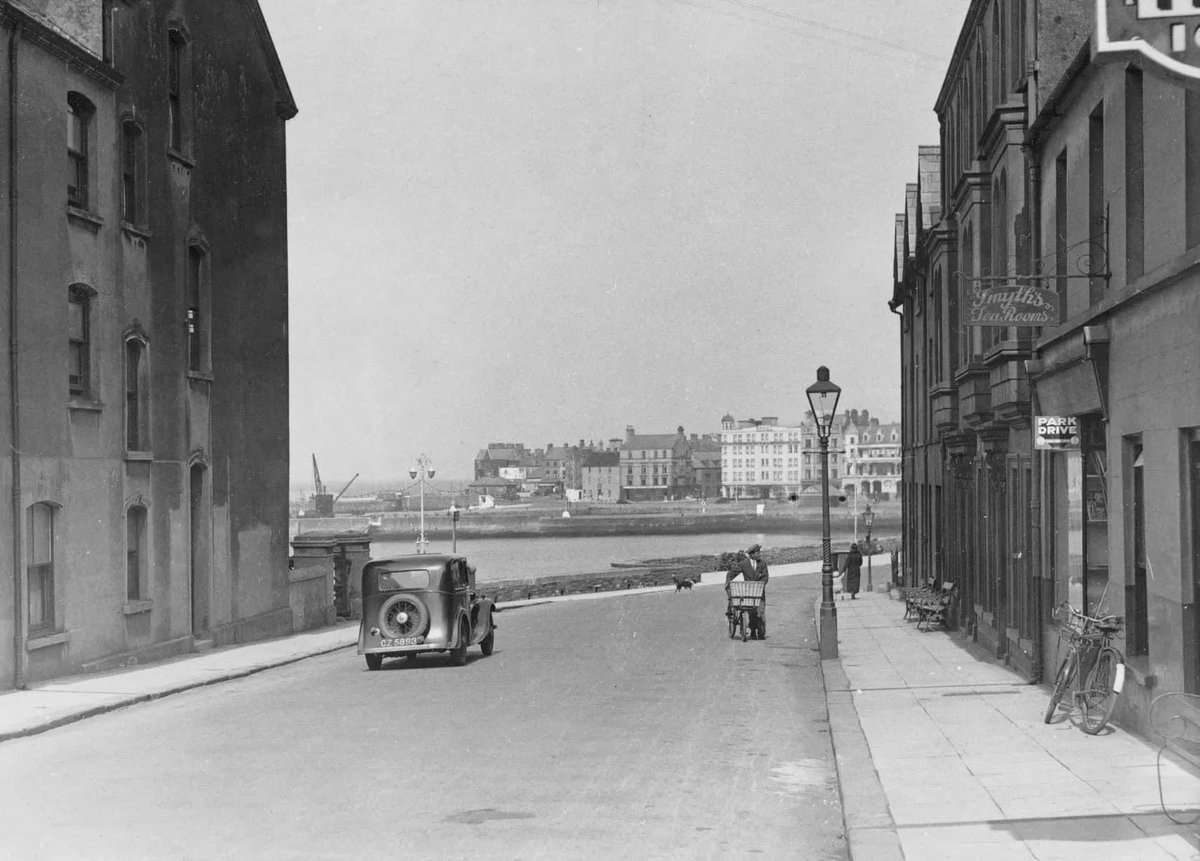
x=80, y=112
x=79, y=340
x=178, y=87
x=133, y=173
x=1001, y=58
x=198, y=329
x=967, y=267
x=135, y=552
x=39, y=568
x=137, y=395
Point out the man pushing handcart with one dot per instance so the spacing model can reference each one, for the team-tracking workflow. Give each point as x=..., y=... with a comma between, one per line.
x=746, y=610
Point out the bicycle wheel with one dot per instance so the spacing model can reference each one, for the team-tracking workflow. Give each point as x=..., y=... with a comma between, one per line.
x=1101, y=690
x=1062, y=681
x=733, y=623
x=742, y=624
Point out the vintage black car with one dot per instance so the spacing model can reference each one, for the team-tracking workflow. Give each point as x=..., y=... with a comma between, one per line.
x=423, y=603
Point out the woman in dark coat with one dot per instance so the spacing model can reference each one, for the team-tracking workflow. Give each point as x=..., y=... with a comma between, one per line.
x=853, y=571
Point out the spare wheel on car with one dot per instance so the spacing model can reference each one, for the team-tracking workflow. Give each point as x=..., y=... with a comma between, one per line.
x=403, y=616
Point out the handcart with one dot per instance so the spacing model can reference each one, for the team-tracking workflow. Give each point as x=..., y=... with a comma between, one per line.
x=747, y=598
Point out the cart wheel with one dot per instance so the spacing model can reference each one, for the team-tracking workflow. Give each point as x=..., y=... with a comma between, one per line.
x=732, y=626
x=742, y=625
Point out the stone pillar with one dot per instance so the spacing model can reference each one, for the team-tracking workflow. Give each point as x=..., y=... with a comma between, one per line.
x=354, y=552
x=310, y=580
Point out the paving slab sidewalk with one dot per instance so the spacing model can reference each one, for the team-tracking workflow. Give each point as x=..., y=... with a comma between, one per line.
x=943, y=754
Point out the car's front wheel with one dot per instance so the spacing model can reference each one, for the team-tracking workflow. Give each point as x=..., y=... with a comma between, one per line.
x=488, y=643
x=374, y=661
x=458, y=655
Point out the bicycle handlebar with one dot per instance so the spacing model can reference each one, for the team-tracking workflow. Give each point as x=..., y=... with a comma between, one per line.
x=1083, y=617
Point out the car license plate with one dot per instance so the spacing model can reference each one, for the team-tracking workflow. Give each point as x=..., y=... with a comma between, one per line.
x=400, y=641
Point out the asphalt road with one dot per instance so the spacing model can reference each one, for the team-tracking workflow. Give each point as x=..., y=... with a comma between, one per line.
x=626, y=727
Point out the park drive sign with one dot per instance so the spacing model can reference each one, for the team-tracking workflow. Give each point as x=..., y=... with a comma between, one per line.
x=1165, y=33
x=1056, y=433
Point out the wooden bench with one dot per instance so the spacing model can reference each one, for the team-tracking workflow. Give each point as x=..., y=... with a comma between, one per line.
x=1175, y=718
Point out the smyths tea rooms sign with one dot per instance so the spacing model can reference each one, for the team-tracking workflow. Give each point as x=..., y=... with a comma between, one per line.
x=1005, y=303
x=1165, y=33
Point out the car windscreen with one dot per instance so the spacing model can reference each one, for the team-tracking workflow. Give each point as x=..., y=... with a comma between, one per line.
x=390, y=581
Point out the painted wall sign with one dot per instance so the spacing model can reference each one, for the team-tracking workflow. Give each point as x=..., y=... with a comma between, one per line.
x=1057, y=433
x=1165, y=33
x=1010, y=304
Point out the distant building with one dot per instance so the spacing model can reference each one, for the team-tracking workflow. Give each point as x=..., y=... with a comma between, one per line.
x=873, y=457
x=601, y=477
x=500, y=455
x=706, y=467
x=656, y=466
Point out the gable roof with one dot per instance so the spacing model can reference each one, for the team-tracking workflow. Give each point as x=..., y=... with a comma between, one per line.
x=285, y=104
x=641, y=441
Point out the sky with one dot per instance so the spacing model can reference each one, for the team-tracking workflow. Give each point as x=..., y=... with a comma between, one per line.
x=542, y=221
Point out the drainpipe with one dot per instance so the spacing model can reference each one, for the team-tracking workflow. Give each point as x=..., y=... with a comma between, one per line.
x=13, y=343
x=1034, y=202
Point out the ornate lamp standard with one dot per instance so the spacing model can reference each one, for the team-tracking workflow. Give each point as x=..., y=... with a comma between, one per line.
x=868, y=520
x=421, y=467
x=822, y=398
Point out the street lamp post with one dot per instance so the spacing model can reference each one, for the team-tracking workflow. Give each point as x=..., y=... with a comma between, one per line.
x=868, y=520
x=425, y=471
x=822, y=398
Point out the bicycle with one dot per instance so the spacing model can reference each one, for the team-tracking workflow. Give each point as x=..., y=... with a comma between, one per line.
x=1091, y=649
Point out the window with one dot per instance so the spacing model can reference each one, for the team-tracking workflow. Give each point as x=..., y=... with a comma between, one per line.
x=137, y=377
x=1060, y=221
x=1191, y=658
x=1191, y=193
x=132, y=204
x=197, y=312
x=176, y=48
x=1097, y=212
x=998, y=36
x=135, y=550
x=1135, y=195
x=1137, y=639
x=79, y=123
x=40, y=568
x=79, y=326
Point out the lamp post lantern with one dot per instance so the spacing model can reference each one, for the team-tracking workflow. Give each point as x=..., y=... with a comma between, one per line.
x=822, y=399
x=423, y=469
x=868, y=520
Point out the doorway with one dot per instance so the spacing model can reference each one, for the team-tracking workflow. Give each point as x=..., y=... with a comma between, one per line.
x=201, y=548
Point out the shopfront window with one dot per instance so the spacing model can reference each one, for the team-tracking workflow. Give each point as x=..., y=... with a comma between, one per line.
x=1096, y=599
x=1083, y=509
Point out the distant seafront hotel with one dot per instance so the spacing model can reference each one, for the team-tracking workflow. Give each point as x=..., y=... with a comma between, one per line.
x=763, y=459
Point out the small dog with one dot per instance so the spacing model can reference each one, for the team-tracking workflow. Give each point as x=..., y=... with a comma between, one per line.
x=685, y=583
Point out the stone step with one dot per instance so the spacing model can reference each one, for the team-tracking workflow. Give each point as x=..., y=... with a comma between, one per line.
x=201, y=645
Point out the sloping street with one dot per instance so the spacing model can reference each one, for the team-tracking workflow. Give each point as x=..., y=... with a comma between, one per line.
x=628, y=727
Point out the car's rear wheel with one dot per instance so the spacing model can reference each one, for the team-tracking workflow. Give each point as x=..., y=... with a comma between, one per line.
x=374, y=661
x=458, y=655
x=488, y=643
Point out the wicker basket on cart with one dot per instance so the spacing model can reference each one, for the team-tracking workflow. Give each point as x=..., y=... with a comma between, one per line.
x=746, y=594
